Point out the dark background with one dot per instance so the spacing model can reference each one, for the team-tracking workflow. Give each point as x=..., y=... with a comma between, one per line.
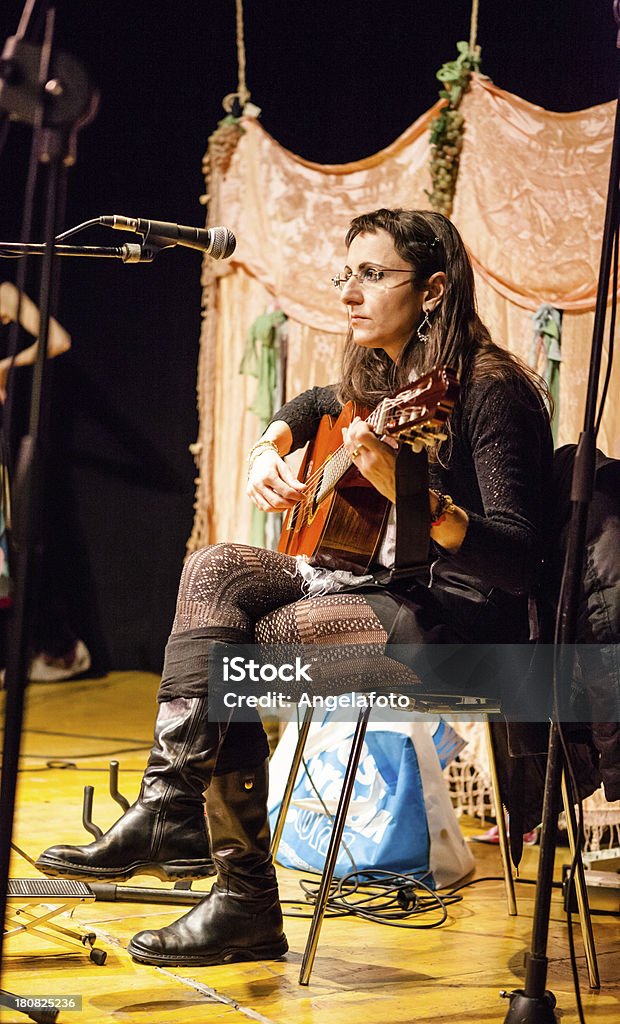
x=336, y=81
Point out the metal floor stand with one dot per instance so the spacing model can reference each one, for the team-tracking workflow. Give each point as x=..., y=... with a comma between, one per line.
x=34, y=903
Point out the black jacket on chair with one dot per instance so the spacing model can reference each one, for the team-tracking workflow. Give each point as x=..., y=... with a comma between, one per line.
x=594, y=732
x=597, y=683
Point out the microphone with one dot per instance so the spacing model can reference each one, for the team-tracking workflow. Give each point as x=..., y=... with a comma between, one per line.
x=218, y=243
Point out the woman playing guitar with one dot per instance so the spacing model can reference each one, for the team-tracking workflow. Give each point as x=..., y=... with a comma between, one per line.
x=408, y=290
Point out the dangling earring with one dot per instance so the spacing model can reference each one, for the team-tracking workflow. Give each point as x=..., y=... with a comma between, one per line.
x=424, y=329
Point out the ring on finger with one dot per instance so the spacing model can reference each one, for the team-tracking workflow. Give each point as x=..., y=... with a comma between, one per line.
x=355, y=452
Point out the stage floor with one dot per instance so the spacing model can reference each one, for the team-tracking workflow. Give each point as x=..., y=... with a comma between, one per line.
x=367, y=971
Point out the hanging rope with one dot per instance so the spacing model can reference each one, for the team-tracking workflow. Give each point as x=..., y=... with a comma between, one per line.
x=473, y=26
x=235, y=102
x=242, y=88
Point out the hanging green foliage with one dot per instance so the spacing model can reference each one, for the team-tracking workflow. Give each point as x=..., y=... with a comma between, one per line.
x=446, y=132
x=222, y=144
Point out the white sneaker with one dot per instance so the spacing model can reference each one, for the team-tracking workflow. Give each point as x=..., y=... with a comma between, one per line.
x=46, y=669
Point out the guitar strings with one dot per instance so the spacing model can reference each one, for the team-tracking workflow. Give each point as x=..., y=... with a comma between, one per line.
x=386, y=405
x=315, y=477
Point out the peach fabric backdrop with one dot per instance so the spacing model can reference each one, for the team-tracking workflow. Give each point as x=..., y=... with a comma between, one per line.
x=530, y=206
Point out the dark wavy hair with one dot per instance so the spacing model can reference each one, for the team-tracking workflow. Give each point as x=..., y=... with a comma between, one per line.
x=429, y=242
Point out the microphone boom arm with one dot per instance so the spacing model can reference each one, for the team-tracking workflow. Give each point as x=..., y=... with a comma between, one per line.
x=130, y=252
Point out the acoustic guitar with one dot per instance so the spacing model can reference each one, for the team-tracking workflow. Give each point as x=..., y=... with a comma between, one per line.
x=341, y=517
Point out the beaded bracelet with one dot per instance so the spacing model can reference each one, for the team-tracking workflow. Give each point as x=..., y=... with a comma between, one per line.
x=259, y=447
x=445, y=507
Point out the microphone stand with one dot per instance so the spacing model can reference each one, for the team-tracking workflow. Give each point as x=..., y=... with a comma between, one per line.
x=131, y=252
x=52, y=92
x=535, y=1004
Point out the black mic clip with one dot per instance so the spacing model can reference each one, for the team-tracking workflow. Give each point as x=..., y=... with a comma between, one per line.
x=135, y=252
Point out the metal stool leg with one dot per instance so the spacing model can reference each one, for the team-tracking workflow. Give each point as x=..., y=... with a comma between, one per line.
x=334, y=845
x=291, y=780
x=504, y=849
x=581, y=890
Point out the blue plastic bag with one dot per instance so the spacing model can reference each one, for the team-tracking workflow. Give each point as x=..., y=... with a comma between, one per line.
x=386, y=824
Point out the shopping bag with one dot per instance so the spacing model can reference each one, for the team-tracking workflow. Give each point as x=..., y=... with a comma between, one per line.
x=400, y=817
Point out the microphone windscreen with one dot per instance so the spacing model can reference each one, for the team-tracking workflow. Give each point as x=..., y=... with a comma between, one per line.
x=223, y=243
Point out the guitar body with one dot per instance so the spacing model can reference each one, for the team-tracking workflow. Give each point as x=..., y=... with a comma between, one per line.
x=340, y=519
x=346, y=525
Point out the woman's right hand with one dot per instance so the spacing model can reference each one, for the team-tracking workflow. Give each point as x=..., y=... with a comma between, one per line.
x=271, y=484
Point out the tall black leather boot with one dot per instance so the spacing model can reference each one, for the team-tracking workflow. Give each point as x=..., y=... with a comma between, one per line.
x=164, y=833
x=241, y=918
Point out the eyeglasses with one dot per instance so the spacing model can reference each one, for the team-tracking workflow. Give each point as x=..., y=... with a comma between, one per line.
x=368, y=277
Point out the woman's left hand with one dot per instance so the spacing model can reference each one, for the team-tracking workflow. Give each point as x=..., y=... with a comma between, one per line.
x=374, y=457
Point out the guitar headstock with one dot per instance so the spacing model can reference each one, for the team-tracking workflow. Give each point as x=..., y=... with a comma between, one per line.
x=418, y=412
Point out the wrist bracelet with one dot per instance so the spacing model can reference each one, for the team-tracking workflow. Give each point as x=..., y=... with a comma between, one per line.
x=259, y=447
x=445, y=507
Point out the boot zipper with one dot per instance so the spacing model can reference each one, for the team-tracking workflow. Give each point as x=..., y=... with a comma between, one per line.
x=165, y=800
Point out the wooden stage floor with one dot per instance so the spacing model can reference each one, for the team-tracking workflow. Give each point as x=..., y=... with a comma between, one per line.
x=363, y=970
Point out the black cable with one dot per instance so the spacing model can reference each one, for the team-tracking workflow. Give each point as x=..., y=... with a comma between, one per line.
x=571, y=943
x=78, y=227
x=497, y=878
x=330, y=911
x=573, y=794
x=382, y=897
x=612, y=331
x=82, y=757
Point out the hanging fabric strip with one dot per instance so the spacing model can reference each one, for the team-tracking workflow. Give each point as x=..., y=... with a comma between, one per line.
x=546, y=354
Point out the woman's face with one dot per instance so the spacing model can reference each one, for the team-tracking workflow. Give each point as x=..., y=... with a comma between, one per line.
x=384, y=306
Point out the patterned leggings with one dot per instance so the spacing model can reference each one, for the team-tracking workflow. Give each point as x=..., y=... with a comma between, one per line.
x=234, y=591
x=261, y=593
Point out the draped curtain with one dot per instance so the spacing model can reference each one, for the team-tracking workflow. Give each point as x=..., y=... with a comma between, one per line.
x=530, y=206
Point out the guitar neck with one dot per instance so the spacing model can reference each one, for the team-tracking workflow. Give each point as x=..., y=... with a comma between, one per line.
x=416, y=413
x=336, y=465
